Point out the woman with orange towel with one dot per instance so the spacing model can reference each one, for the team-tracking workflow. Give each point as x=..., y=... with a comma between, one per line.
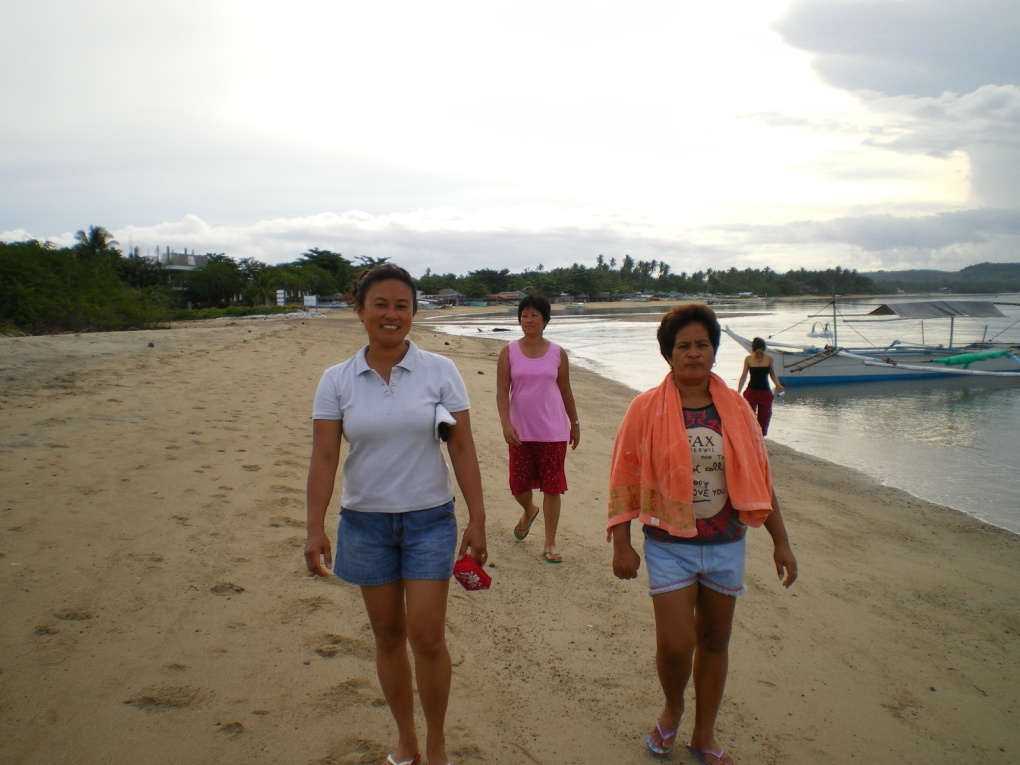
x=690, y=465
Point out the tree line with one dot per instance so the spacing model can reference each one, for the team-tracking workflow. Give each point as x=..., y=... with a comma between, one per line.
x=94, y=286
x=610, y=279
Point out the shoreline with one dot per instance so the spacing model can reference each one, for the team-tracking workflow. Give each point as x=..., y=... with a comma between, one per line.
x=156, y=600
x=872, y=471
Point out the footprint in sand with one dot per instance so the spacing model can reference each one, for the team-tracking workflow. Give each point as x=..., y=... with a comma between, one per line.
x=283, y=520
x=348, y=693
x=74, y=614
x=331, y=646
x=231, y=729
x=226, y=588
x=355, y=751
x=302, y=607
x=150, y=560
x=163, y=697
x=286, y=547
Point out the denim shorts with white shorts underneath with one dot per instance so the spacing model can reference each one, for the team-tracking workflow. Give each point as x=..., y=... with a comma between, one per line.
x=675, y=565
x=379, y=548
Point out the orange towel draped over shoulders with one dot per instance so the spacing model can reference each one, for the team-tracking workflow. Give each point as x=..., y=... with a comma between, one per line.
x=651, y=476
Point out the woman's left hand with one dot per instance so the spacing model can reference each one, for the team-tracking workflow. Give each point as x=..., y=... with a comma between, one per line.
x=474, y=540
x=575, y=436
x=786, y=564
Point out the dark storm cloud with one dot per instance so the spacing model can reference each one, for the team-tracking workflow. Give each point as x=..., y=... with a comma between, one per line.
x=908, y=47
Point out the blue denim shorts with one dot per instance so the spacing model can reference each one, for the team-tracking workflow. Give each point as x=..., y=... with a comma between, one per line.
x=379, y=548
x=675, y=565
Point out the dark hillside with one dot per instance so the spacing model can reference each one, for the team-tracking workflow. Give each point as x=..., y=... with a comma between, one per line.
x=980, y=278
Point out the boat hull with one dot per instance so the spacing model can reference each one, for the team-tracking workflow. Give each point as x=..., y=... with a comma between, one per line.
x=820, y=366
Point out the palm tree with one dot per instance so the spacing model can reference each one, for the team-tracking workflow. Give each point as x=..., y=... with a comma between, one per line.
x=97, y=244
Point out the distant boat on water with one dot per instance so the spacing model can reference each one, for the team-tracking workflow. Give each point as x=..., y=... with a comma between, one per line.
x=831, y=363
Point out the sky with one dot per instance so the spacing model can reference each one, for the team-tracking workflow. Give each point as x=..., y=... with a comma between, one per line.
x=455, y=136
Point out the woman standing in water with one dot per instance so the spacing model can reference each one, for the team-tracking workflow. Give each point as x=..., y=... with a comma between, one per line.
x=397, y=533
x=689, y=464
x=539, y=418
x=760, y=367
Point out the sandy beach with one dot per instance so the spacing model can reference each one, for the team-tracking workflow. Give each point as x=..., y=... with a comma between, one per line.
x=156, y=608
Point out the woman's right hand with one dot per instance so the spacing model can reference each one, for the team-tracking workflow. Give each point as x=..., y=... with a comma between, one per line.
x=510, y=435
x=318, y=552
x=626, y=561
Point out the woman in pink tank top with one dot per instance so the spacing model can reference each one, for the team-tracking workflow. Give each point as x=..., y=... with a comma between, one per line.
x=539, y=418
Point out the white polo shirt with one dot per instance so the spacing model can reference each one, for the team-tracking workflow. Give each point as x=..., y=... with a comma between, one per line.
x=395, y=465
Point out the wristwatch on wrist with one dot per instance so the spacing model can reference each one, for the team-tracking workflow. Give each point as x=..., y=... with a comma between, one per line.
x=577, y=422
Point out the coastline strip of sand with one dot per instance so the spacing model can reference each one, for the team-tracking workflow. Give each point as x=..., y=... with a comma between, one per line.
x=156, y=607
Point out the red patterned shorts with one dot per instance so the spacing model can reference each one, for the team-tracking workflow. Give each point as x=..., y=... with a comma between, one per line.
x=538, y=465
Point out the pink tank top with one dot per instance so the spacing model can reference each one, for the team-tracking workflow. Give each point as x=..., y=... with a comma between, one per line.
x=536, y=404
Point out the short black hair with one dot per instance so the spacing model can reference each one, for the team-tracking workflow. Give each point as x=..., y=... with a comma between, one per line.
x=678, y=318
x=539, y=302
x=380, y=273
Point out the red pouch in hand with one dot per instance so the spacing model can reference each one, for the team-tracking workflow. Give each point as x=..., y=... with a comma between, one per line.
x=470, y=575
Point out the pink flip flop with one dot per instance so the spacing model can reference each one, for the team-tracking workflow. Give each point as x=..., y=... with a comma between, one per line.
x=711, y=757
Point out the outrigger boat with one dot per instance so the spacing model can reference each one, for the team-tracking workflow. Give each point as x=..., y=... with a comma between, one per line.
x=830, y=363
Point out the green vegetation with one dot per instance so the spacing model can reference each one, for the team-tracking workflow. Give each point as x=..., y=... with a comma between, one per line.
x=79, y=289
x=982, y=278
x=608, y=280
x=93, y=286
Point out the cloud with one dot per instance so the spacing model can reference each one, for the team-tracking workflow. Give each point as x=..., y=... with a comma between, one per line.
x=467, y=136
x=451, y=241
x=940, y=125
x=875, y=233
x=985, y=124
x=907, y=47
x=942, y=78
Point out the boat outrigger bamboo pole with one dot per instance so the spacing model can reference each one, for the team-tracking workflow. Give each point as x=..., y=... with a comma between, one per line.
x=835, y=324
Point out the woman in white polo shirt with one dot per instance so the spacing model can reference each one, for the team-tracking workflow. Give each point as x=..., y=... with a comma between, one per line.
x=397, y=533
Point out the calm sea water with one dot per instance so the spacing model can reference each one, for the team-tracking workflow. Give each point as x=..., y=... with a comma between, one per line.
x=954, y=441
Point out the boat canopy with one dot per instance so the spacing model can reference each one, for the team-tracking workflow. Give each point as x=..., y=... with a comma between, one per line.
x=938, y=309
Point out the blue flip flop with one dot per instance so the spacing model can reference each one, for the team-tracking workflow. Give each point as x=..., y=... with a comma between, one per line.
x=663, y=737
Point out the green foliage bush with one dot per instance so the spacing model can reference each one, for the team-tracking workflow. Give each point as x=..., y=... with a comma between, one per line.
x=51, y=290
x=91, y=287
